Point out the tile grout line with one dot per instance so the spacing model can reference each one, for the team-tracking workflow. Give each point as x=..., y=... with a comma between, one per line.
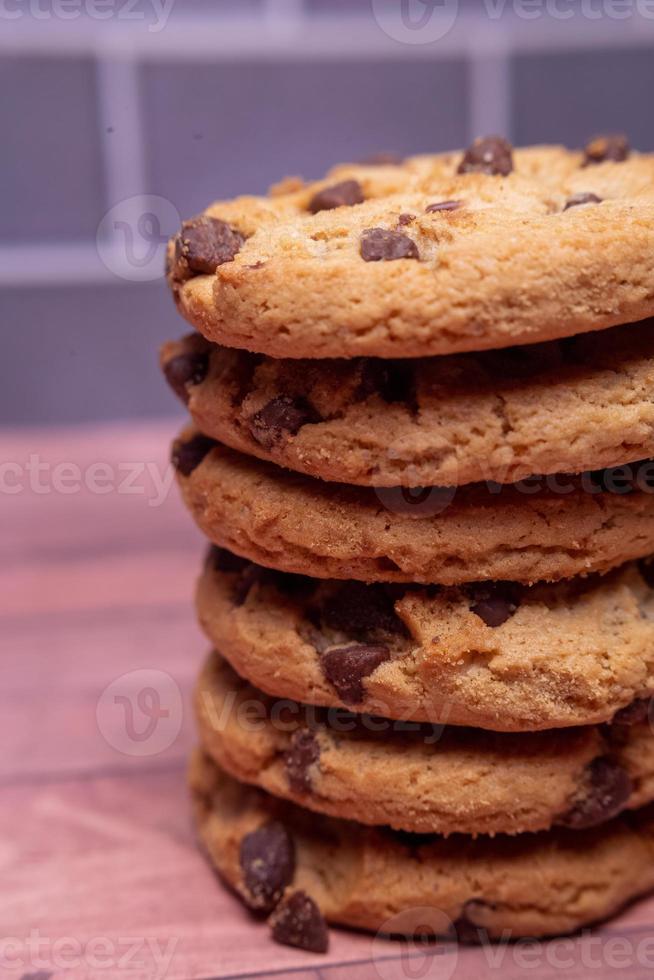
x=489, y=96
x=297, y=37
x=119, y=111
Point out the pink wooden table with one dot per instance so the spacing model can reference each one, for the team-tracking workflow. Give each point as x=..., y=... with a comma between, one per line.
x=99, y=869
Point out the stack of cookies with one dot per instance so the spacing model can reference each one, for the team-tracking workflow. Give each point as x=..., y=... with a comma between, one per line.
x=422, y=401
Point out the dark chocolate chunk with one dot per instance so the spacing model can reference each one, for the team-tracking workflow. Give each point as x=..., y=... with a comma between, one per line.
x=443, y=206
x=247, y=572
x=614, y=147
x=202, y=245
x=646, y=569
x=632, y=714
x=359, y=610
x=345, y=667
x=380, y=245
x=249, y=577
x=494, y=602
x=607, y=788
x=405, y=219
x=184, y=370
x=488, y=155
x=465, y=928
x=524, y=361
x=282, y=416
x=302, y=753
x=297, y=921
x=267, y=858
x=346, y=193
x=619, y=480
x=186, y=456
x=582, y=198
x=394, y=381
x=225, y=561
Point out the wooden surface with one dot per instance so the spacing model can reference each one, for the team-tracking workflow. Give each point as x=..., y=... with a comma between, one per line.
x=99, y=869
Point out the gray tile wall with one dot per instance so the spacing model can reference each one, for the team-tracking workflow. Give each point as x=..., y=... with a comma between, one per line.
x=566, y=97
x=216, y=126
x=51, y=171
x=78, y=353
x=220, y=130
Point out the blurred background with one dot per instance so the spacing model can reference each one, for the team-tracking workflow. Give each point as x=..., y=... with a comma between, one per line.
x=121, y=116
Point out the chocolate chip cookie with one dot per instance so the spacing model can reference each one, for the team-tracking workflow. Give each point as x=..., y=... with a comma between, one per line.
x=281, y=857
x=433, y=255
x=422, y=778
x=563, y=406
x=547, y=529
x=492, y=655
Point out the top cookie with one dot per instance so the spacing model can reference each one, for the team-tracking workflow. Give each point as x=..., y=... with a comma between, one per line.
x=437, y=254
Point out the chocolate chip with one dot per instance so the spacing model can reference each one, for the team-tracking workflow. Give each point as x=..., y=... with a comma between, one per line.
x=614, y=148
x=267, y=858
x=646, y=569
x=380, y=245
x=347, y=193
x=632, y=714
x=494, y=602
x=184, y=370
x=488, y=155
x=359, y=610
x=608, y=787
x=247, y=572
x=249, y=577
x=382, y=160
x=186, y=456
x=202, y=245
x=225, y=561
x=524, y=361
x=293, y=585
x=465, y=928
x=282, y=416
x=297, y=921
x=302, y=753
x=394, y=381
x=443, y=206
x=345, y=667
x=405, y=219
x=614, y=479
x=582, y=198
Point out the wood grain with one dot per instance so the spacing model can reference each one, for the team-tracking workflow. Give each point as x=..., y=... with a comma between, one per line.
x=98, y=860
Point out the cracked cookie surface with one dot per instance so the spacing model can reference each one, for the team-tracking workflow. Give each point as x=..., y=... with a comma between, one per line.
x=423, y=779
x=541, y=884
x=417, y=258
x=551, y=656
x=553, y=529
x=560, y=407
